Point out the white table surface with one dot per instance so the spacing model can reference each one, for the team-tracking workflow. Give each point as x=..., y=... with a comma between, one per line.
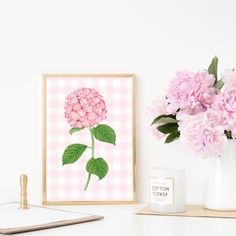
x=121, y=220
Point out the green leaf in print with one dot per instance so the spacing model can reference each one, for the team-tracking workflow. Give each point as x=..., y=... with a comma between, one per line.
x=104, y=133
x=97, y=167
x=72, y=153
x=73, y=130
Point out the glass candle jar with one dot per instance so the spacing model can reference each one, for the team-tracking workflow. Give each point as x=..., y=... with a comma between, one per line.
x=167, y=190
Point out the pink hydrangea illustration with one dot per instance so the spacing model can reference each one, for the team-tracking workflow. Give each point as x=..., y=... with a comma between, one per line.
x=85, y=107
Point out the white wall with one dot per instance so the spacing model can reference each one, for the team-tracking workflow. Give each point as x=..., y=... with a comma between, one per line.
x=151, y=38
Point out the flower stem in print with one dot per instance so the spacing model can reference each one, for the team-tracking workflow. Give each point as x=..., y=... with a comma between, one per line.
x=92, y=147
x=85, y=108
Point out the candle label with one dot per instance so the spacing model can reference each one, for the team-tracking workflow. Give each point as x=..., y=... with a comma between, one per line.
x=162, y=190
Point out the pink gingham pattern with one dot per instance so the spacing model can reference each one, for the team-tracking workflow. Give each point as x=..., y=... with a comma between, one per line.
x=66, y=183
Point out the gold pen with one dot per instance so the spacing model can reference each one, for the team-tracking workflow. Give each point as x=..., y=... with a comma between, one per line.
x=23, y=193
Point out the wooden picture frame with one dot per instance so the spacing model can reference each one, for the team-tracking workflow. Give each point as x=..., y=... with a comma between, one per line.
x=88, y=129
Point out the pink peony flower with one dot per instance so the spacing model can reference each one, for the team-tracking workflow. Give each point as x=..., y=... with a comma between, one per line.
x=203, y=132
x=191, y=92
x=157, y=107
x=84, y=108
x=225, y=103
x=229, y=79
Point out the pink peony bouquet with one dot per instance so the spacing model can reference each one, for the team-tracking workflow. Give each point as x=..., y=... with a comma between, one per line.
x=198, y=108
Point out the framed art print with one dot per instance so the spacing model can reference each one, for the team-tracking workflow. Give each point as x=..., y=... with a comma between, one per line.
x=88, y=139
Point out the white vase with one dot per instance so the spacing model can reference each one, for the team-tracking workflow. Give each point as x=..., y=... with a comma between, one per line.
x=220, y=189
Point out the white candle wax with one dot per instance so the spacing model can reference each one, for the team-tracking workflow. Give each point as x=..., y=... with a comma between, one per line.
x=167, y=190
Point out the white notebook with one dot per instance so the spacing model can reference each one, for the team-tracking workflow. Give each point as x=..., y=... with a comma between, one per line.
x=13, y=220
